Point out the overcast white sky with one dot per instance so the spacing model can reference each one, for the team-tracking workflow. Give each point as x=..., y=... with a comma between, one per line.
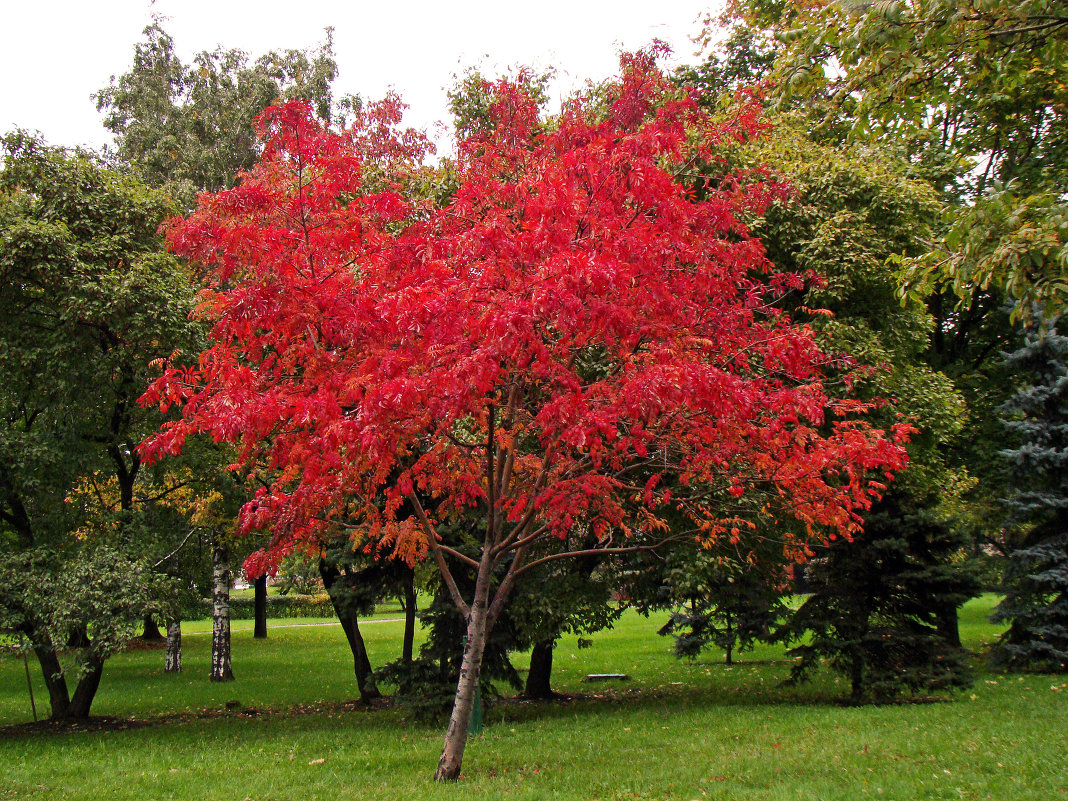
x=55, y=53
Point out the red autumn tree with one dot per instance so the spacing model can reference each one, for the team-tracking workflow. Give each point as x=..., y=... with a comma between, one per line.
x=584, y=337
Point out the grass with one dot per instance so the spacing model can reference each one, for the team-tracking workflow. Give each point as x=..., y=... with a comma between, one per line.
x=677, y=730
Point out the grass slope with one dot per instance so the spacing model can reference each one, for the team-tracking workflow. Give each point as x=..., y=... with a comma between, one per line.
x=678, y=730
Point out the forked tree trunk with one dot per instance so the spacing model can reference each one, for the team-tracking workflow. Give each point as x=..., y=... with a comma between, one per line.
x=260, y=629
x=220, y=613
x=410, y=608
x=173, y=661
x=538, y=684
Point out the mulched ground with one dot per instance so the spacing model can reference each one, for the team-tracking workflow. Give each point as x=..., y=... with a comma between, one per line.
x=231, y=710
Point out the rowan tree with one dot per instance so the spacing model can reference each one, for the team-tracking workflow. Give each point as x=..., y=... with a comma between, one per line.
x=574, y=340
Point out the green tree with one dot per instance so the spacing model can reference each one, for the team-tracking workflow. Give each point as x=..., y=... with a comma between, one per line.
x=722, y=601
x=974, y=95
x=1036, y=576
x=87, y=300
x=874, y=611
x=188, y=127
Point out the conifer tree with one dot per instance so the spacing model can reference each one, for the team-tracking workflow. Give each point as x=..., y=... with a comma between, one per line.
x=1036, y=576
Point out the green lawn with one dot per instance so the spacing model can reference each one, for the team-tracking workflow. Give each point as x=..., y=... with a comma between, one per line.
x=677, y=730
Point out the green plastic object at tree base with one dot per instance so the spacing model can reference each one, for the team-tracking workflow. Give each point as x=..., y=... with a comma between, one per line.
x=476, y=714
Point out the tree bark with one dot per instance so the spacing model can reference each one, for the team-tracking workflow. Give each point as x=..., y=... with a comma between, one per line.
x=173, y=661
x=541, y=667
x=350, y=624
x=85, y=692
x=365, y=677
x=410, y=608
x=260, y=586
x=221, y=669
x=150, y=632
x=58, y=694
x=948, y=626
x=470, y=669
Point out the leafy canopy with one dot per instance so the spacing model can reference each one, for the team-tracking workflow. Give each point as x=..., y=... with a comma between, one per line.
x=573, y=330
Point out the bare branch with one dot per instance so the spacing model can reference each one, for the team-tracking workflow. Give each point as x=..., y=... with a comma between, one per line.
x=439, y=556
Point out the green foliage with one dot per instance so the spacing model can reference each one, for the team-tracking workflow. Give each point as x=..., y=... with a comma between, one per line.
x=427, y=685
x=278, y=606
x=88, y=299
x=880, y=604
x=720, y=602
x=48, y=596
x=1036, y=576
x=974, y=95
x=188, y=127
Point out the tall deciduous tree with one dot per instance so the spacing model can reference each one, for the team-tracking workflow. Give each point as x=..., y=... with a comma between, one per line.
x=975, y=95
x=88, y=298
x=569, y=332
x=188, y=127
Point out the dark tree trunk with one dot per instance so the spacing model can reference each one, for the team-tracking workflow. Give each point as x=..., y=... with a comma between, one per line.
x=365, y=677
x=260, y=586
x=856, y=679
x=948, y=626
x=151, y=632
x=58, y=694
x=541, y=669
x=78, y=638
x=173, y=661
x=221, y=669
x=410, y=608
x=85, y=692
x=730, y=641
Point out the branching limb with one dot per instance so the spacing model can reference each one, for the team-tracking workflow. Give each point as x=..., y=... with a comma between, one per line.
x=439, y=556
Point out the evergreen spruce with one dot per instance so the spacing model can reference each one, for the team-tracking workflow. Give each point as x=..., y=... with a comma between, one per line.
x=880, y=603
x=1036, y=576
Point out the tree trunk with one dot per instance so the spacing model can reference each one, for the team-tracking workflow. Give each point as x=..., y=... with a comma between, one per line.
x=410, y=608
x=856, y=679
x=58, y=694
x=78, y=638
x=220, y=612
x=85, y=692
x=948, y=626
x=365, y=677
x=350, y=624
x=730, y=641
x=150, y=632
x=541, y=668
x=470, y=669
x=173, y=661
x=260, y=585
